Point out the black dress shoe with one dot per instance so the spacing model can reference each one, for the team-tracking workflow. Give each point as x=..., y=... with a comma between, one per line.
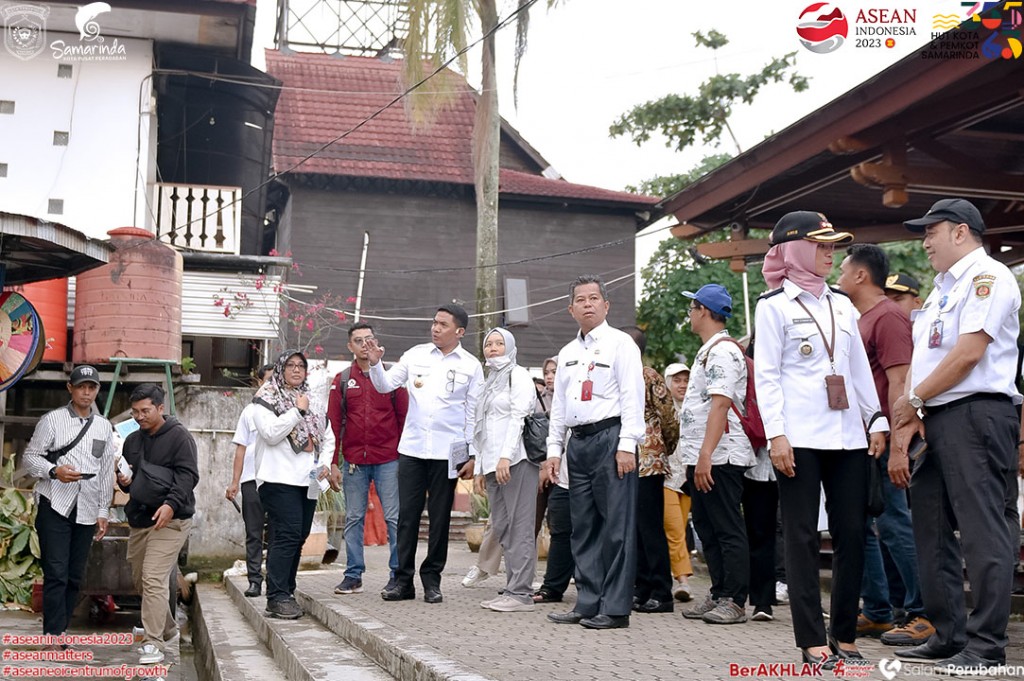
x=432, y=595
x=398, y=593
x=605, y=622
x=966, y=664
x=254, y=590
x=653, y=605
x=827, y=662
x=840, y=653
x=571, y=617
x=925, y=653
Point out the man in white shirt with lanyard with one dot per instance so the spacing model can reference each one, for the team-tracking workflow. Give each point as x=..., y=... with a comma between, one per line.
x=962, y=376
x=444, y=382
x=599, y=395
x=72, y=453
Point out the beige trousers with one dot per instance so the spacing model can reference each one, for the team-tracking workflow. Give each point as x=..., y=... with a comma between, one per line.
x=152, y=555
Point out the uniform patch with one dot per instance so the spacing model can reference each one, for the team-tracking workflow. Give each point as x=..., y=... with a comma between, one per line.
x=983, y=284
x=352, y=383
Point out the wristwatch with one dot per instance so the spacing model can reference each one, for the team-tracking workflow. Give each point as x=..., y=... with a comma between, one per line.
x=915, y=401
x=53, y=473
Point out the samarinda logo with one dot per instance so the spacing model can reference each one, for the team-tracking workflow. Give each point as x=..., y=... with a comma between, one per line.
x=25, y=34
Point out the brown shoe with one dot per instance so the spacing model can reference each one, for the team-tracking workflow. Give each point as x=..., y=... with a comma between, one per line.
x=915, y=632
x=866, y=627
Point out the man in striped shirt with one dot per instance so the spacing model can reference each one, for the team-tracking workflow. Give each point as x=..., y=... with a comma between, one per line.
x=72, y=454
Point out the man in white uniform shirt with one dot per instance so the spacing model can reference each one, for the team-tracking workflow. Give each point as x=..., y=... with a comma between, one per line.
x=444, y=382
x=962, y=376
x=72, y=453
x=599, y=396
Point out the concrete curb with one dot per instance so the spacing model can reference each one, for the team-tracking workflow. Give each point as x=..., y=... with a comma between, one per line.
x=225, y=649
x=318, y=659
x=393, y=650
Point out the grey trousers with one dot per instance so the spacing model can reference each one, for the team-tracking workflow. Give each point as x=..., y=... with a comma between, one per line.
x=513, y=515
x=967, y=479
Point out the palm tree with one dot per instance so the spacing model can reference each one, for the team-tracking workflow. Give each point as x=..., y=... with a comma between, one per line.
x=441, y=27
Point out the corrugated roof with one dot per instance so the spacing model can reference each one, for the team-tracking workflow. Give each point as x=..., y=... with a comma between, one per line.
x=334, y=94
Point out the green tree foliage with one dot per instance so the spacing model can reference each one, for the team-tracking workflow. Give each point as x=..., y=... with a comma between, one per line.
x=909, y=257
x=684, y=120
x=667, y=185
x=663, y=310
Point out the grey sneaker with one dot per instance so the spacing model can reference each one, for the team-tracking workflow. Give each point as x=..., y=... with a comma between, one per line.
x=286, y=609
x=698, y=611
x=509, y=604
x=726, y=612
x=349, y=585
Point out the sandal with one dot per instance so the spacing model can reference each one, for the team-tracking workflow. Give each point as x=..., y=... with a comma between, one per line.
x=545, y=595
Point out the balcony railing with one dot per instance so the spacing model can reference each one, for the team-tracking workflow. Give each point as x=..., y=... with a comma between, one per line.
x=198, y=217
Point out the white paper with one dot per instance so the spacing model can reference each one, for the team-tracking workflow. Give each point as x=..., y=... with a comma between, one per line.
x=457, y=455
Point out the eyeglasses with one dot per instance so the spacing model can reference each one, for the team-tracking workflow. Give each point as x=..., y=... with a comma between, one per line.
x=695, y=305
x=362, y=341
x=450, y=387
x=295, y=365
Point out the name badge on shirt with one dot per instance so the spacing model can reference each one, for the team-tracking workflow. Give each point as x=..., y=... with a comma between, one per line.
x=935, y=334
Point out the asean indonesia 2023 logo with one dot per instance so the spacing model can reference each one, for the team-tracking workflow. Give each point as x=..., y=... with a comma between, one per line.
x=822, y=28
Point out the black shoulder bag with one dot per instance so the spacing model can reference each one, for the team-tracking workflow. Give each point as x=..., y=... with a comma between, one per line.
x=53, y=454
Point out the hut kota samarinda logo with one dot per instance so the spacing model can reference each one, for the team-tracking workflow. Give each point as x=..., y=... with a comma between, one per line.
x=822, y=28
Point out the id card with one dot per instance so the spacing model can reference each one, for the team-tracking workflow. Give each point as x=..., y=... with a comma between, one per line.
x=935, y=334
x=835, y=388
x=587, y=393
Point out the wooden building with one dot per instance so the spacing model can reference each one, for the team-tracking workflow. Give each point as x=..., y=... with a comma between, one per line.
x=409, y=186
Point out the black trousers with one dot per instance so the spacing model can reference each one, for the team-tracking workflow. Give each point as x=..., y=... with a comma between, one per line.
x=760, y=505
x=843, y=474
x=653, y=569
x=967, y=479
x=423, y=482
x=603, y=510
x=254, y=519
x=719, y=524
x=64, y=545
x=560, y=562
x=291, y=516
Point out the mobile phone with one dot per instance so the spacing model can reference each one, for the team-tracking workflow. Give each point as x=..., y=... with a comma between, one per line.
x=87, y=476
x=916, y=447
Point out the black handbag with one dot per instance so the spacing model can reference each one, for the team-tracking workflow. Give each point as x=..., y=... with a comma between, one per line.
x=876, y=497
x=535, y=437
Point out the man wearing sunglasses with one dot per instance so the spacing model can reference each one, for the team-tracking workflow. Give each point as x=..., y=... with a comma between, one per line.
x=444, y=382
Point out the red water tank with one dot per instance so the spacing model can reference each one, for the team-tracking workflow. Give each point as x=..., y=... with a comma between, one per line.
x=130, y=307
x=50, y=299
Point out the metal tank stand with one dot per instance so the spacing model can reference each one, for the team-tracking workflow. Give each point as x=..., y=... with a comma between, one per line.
x=121, y=361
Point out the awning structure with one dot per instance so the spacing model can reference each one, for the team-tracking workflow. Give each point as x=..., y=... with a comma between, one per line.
x=880, y=154
x=36, y=250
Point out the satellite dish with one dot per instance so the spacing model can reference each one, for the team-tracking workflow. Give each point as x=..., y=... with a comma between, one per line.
x=21, y=335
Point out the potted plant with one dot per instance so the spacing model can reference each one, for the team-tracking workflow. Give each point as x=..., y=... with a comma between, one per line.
x=480, y=511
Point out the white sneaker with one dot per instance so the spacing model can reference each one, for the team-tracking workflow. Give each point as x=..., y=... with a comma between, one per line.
x=150, y=654
x=781, y=593
x=762, y=616
x=509, y=604
x=486, y=605
x=474, y=576
x=681, y=591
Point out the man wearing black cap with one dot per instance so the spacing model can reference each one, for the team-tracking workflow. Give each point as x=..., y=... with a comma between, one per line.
x=72, y=454
x=717, y=453
x=962, y=377
x=904, y=290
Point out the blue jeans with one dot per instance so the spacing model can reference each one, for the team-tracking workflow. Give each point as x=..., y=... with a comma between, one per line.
x=356, y=485
x=897, y=533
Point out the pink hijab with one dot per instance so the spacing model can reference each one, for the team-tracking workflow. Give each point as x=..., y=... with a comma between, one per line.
x=793, y=260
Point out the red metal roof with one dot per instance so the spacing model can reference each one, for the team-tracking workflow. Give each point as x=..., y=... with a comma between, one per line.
x=334, y=94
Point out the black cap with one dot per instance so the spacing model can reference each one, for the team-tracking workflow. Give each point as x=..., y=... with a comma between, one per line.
x=807, y=225
x=84, y=374
x=902, y=283
x=957, y=211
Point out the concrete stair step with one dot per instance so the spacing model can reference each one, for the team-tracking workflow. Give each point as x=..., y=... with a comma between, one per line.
x=392, y=649
x=227, y=648
x=304, y=649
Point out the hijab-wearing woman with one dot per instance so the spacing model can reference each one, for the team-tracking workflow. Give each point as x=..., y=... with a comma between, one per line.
x=508, y=396
x=289, y=440
x=548, y=393
x=817, y=398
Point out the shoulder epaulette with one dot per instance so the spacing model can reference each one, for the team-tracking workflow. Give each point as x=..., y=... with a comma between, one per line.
x=836, y=289
x=769, y=294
